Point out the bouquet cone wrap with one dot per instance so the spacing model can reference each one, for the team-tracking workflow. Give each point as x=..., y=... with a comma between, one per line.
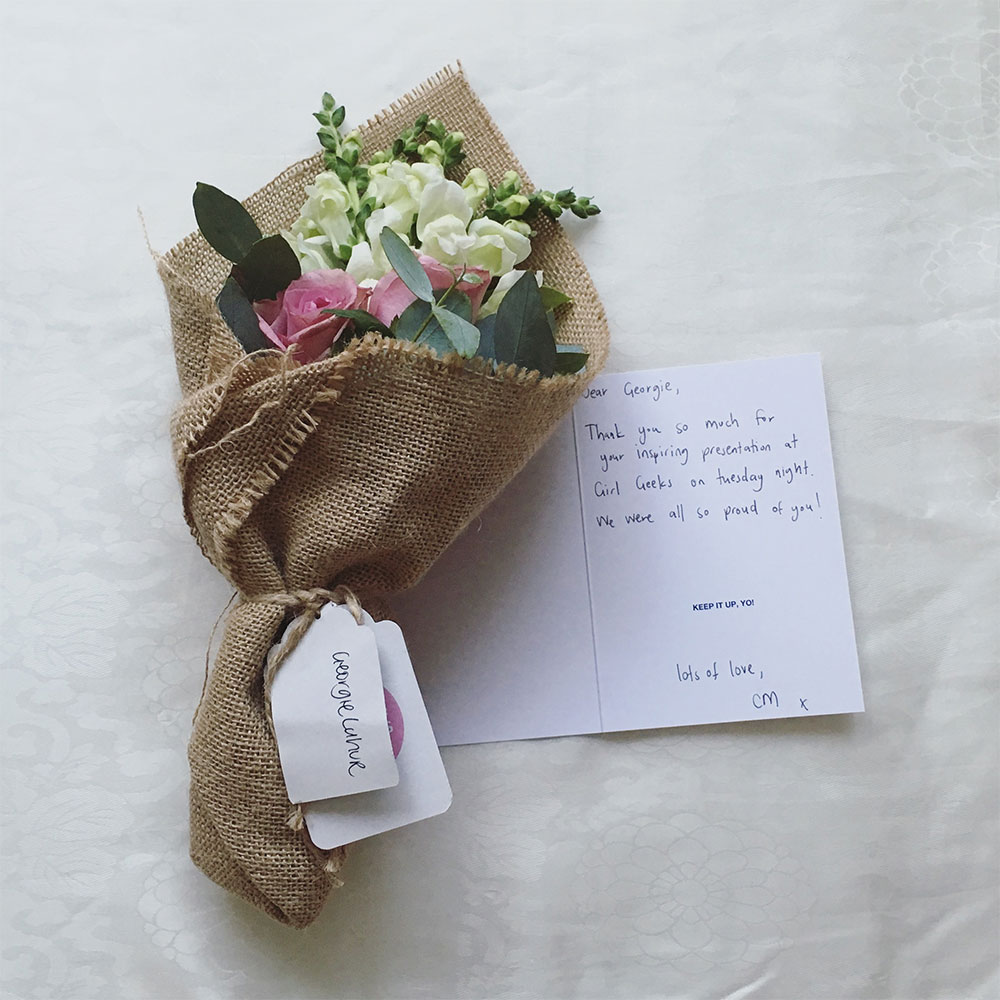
x=357, y=471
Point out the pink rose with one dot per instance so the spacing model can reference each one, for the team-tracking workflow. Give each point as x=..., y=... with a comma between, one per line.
x=390, y=296
x=294, y=321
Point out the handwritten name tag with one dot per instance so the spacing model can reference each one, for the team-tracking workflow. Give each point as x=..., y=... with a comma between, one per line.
x=423, y=790
x=329, y=712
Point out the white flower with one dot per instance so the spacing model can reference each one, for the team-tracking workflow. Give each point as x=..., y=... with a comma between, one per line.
x=498, y=248
x=442, y=200
x=377, y=221
x=475, y=186
x=503, y=286
x=311, y=250
x=446, y=240
x=399, y=186
x=362, y=267
x=325, y=213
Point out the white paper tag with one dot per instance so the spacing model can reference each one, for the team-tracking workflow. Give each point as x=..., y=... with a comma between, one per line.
x=329, y=711
x=423, y=790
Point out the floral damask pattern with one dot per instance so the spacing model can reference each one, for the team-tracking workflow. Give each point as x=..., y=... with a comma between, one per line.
x=952, y=90
x=964, y=267
x=693, y=893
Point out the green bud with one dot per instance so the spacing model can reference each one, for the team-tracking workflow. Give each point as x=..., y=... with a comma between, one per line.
x=328, y=140
x=593, y=210
x=565, y=196
x=430, y=151
x=476, y=186
x=516, y=205
x=580, y=213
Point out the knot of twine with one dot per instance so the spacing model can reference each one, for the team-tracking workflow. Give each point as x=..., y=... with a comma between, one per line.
x=307, y=604
x=304, y=601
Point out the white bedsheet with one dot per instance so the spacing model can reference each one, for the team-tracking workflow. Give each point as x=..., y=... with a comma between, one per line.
x=776, y=177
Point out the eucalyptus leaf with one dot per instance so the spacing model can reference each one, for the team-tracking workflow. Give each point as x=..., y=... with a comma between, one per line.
x=487, y=328
x=522, y=335
x=552, y=298
x=407, y=325
x=418, y=324
x=406, y=265
x=432, y=335
x=570, y=358
x=364, y=322
x=462, y=334
x=268, y=268
x=224, y=222
x=240, y=317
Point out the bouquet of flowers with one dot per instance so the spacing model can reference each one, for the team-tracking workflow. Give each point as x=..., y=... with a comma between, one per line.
x=357, y=386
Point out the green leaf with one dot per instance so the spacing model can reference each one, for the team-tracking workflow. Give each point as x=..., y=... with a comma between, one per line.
x=522, y=335
x=417, y=324
x=240, y=317
x=411, y=319
x=269, y=267
x=363, y=321
x=328, y=102
x=459, y=331
x=406, y=265
x=552, y=298
x=570, y=358
x=224, y=222
x=487, y=329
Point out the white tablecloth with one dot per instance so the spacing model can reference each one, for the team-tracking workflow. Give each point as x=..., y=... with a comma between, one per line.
x=776, y=177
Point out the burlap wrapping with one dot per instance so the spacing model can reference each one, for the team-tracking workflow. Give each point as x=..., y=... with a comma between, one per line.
x=354, y=471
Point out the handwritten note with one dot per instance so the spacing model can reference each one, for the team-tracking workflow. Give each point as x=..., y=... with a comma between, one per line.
x=696, y=531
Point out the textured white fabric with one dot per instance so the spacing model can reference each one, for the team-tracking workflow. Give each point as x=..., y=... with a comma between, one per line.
x=776, y=177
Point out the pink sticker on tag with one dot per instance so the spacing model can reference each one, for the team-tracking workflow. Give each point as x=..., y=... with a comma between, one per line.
x=395, y=719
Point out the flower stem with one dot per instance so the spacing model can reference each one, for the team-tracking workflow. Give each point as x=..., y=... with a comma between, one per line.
x=430, y=315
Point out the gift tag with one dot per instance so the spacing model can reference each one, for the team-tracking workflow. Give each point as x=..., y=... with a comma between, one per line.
x=423, y=790
x=329, y=711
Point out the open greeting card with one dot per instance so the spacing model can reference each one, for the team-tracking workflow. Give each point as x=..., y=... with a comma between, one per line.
x=673, y=556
